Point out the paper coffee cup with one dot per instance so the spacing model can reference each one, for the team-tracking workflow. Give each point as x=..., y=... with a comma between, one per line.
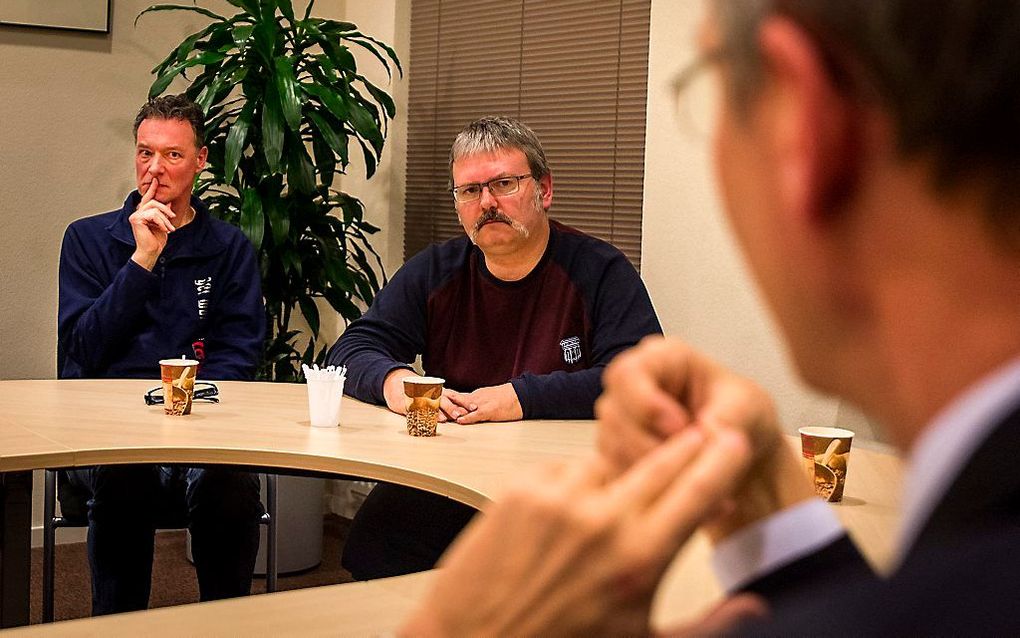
x=421, y=400
x=178, y=377
x=826, y=452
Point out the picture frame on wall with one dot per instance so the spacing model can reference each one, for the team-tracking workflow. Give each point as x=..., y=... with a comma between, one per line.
x=73, y=15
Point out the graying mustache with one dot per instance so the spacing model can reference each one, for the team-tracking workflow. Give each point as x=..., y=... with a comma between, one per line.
x=492, y=215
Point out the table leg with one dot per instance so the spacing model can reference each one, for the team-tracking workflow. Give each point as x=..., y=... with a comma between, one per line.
x=15, y=547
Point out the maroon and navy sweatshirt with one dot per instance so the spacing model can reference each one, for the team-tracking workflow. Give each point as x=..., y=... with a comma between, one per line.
x=549, y=334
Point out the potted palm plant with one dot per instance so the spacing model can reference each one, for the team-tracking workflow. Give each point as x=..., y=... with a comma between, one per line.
x=285, y=108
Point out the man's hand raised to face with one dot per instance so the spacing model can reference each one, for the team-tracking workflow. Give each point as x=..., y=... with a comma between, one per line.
x=150, y=224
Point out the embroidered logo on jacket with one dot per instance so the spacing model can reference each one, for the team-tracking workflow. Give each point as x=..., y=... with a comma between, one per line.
x=203, y=288
x=571, y=349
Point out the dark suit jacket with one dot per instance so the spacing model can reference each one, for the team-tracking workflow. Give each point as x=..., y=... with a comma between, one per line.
x=961, y=577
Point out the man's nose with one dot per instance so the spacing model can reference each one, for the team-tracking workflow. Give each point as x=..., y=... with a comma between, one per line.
x=487, y=199
x=154, y=165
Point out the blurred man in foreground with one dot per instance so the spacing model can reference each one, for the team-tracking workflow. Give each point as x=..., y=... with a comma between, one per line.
x=868, y=153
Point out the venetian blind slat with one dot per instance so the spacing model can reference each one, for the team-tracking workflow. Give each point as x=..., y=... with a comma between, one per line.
x=573, y=70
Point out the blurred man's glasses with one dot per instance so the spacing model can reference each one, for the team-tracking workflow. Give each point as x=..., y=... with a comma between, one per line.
x=204, y=391
x=698, y=98
x=498, y=187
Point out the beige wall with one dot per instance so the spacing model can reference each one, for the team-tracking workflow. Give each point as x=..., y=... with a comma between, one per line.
x=691, y=265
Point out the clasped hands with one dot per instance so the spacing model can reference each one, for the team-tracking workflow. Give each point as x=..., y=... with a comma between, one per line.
x=490, y=403
x=580, y=548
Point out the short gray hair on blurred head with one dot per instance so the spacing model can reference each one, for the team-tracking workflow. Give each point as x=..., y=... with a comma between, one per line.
x=947, y=73
x=494, y=133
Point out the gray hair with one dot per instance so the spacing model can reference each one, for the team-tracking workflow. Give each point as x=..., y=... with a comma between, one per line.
x=494, y=133
x=174, y=107
x=946, y=71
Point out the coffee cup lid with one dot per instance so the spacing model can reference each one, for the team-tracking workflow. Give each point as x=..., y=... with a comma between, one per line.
x=178, y=362
x=425, y=380
x=832, y=433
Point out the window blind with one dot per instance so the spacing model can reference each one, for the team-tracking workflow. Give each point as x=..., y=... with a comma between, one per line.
x=575, y=71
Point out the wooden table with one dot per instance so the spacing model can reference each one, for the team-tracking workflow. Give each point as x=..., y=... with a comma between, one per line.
x=88, y=422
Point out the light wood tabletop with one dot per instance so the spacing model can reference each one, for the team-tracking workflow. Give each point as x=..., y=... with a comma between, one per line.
x=75, y=423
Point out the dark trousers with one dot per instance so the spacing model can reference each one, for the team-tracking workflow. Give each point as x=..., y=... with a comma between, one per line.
x=127, y=503
x=401, y=530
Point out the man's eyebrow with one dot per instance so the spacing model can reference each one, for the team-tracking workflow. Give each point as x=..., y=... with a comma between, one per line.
x=165, y=148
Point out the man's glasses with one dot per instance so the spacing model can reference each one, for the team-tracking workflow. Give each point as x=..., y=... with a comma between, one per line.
x=498, y=187
x=698, y=96
x=204, y=391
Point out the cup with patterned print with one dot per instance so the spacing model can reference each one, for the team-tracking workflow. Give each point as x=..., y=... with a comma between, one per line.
x=178, y=377
x=825, y=452
x=421, y=400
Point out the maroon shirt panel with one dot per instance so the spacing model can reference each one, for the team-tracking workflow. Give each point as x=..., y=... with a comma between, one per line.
x=482, y=331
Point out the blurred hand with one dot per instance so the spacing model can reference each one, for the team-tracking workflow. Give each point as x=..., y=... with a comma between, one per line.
x=661, y=387
x=491, y=403
x=150, y=225
x=724, y=618
x=573, y=550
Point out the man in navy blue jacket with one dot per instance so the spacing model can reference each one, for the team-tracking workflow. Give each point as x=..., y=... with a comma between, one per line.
x=160, y=278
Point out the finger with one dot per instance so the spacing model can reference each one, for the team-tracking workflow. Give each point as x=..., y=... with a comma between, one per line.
x=570, y=478
x=621, y=439
x=736, y=402
x=153, y=219
x=583, y=474
x=149, y=193
x=160, y=206
x=647, y=381
x=157, y=220
x=647, y=479
x=478, y=415
x=459, y=399
x=712, y=475
x=449, y=409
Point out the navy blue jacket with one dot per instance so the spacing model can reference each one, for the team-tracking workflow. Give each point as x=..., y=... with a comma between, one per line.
x=550, y=334
x=117, y=319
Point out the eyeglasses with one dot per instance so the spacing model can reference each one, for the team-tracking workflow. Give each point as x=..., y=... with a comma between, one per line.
x=204, y=391
x=698, y=96
x=498, y=187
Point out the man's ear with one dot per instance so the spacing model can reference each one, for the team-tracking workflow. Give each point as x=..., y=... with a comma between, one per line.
x=545, y=186
x=816, y=128
x=203, y=154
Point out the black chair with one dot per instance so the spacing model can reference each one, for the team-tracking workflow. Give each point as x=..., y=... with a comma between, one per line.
x=75, y=517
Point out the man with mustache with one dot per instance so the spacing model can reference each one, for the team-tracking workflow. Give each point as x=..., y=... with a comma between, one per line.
x=157, y=279
x=520, y=317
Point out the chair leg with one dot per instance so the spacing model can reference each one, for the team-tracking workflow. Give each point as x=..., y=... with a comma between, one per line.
x=49, y=544
x=271, y=567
